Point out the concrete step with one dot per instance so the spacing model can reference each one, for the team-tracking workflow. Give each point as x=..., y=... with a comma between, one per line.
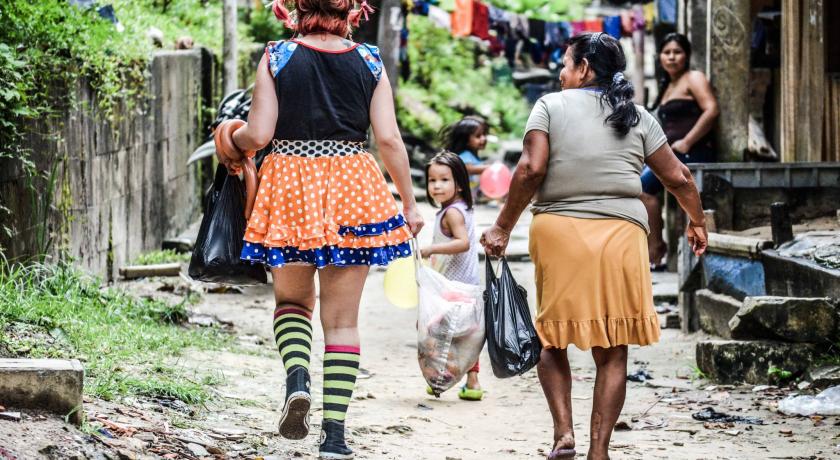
x=50, y=384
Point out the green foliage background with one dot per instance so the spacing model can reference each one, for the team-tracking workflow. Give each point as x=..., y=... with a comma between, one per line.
x=448, y=80
x=45, y=45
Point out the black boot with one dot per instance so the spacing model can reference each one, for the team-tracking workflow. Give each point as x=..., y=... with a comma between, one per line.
x=294, y=422
x=332, y=441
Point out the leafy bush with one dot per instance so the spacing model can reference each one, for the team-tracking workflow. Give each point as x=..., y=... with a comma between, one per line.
x=264, y=27
x=448, y=81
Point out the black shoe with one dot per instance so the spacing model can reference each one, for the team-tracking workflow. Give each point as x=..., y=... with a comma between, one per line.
x=333, y=446
x=294, y=422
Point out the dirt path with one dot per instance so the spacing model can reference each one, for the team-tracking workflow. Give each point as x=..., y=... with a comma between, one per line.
x=391, y=417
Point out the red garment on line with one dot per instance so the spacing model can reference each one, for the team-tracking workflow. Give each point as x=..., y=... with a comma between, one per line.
x=481, y=20
x=462, y=18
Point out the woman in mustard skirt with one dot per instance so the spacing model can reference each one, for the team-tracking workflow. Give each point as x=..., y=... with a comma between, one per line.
x=583, y=154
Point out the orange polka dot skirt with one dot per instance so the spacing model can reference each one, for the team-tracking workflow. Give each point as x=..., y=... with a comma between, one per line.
x=324, y=203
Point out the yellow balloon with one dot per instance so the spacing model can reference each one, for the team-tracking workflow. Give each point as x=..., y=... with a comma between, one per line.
x=401, y=283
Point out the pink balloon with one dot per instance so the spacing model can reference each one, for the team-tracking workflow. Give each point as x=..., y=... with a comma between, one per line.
x=495, y=181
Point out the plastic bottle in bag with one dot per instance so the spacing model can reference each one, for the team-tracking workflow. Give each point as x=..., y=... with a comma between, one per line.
x=450, y=329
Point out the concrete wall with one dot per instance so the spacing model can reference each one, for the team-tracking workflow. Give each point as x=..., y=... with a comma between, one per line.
x=122, y=183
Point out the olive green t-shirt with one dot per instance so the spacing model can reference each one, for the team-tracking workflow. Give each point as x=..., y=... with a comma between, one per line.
x=593, y=172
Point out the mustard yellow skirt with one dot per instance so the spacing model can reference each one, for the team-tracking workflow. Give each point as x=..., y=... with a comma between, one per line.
x=593, y=282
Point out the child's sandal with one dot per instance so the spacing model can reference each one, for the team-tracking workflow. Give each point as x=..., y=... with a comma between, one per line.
x=470, y=394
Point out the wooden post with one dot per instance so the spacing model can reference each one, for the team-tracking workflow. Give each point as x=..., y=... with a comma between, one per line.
x=696, y=29
x=229, y=48
x=388, y=39
x=780, y=224
x=803, y=79
x=728, y=41
x=638, y=76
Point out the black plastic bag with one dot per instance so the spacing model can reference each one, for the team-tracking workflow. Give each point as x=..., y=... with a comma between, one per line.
x=215, y=258
x=512, y=341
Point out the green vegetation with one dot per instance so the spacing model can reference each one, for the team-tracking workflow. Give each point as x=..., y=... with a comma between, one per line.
x=162, y=257
x=697, y=374
x=49, y=45
x=778, y=374
x=447, y=82
x=124, y=342
x=549, y=10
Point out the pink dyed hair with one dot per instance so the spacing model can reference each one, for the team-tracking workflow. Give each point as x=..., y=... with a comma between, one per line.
x=333, y=16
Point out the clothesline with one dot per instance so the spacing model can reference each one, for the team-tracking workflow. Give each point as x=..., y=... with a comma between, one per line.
x=475, y=18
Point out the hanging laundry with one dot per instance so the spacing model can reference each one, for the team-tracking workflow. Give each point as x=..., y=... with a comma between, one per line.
x=667, y=10
x=593, y=25
x=536, y=30
x=497, y=16
x=650, y=16
x=536, y=40
x=421, y=7
x=557, y=33
x=480, y=20
x=462, y=18
x=519, y=26
x=612, y=26
x=578, y=27
x=499, y=22
x=638, y=18
x=627, y=23
x=440, y=17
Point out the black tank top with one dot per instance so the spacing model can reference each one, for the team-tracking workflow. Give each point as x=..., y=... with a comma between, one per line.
x=323, y=95
x=678, y=117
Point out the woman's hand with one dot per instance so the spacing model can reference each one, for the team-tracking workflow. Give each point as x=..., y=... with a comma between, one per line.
x=413, y=219
x=495, y=240
x=425, y=253
x=681, y=146
x=698, y=238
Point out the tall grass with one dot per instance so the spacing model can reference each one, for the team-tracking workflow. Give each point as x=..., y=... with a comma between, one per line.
x=162, y=256
x=124, y=342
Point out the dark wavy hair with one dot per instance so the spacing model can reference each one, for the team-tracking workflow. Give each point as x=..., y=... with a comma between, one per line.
x=456, y=137
x=459, y=173
x=607, y=61
x=664, y=79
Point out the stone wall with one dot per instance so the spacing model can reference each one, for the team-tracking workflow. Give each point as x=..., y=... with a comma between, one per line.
x=121, y=183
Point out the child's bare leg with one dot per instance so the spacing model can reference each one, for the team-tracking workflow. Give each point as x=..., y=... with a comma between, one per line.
x=472, y=378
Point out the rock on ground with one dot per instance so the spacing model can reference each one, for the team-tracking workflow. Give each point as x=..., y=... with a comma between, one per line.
x=824, y=377
x=736, y=361
x=714, y=311
x=791, y=319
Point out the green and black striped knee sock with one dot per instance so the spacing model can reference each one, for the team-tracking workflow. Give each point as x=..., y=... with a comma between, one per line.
x=293, y=334
x=341, y=366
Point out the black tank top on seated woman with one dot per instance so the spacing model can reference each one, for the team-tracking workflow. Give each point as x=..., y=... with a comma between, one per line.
x=323, y=94
x=678, y=117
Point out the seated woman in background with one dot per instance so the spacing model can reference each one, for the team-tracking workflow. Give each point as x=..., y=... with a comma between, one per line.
x=686, y=108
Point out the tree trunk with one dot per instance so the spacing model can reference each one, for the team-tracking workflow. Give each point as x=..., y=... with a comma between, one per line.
x=388, y=40
x=229, y=49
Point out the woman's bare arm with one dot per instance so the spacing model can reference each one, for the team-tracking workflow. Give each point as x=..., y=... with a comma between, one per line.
x=453, y=221
x=677, y=179
x=527, y=179
x=383, y=119
x=476, y=168
x=262, y=119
